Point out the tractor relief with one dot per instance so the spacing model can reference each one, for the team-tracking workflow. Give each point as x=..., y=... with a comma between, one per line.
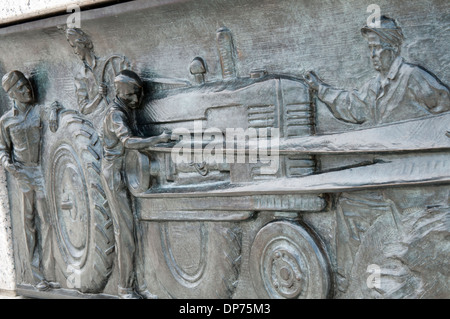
x=220, y=189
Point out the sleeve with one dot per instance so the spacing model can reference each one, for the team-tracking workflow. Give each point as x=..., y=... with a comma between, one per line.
x=120, y=127
x=5, y=144
x=349, y=106
x=429, y=91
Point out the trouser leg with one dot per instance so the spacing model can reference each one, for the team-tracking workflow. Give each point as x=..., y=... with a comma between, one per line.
x=343, y=254
x=28, y=211
x=123, y=221
x=124, y=235
x=140, y=274
x=47, y=260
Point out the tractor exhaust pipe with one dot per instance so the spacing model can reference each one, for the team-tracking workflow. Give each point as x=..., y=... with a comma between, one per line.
x=226, y=52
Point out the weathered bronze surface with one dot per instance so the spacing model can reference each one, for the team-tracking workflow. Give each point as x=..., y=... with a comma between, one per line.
x=203, y=149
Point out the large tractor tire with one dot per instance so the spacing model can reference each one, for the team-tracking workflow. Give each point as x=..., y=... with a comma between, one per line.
x=84, y=235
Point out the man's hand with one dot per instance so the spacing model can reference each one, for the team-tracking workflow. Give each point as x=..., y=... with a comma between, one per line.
x=312, y=80
x=165, y=137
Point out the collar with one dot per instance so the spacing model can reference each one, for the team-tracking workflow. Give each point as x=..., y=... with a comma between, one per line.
x=392, y=74
x=17, y=111
x=395, y=67
x=118, y=102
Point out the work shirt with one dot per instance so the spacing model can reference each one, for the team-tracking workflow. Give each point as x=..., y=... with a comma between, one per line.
x=20, y=143
x=20, y=136
x=408, y=92
x=116, y=130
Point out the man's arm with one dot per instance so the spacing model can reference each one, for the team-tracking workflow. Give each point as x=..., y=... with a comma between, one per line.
x=348, y=106
x=124, y=134
x=138, y=143
x=429, y=91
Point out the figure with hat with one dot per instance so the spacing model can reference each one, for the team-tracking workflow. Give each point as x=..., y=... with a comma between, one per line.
x=117, y=138
x=400, y=91
x=20, y=140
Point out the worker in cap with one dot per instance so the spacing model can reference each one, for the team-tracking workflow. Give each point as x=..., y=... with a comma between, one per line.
x=128, y=81
x=20, y=141
x=399, y=91
x=117, y=138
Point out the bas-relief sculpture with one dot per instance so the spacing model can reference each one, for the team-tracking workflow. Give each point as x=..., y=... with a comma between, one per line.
x=117, y=138
x=20, y=141
x=113, y=213
x=400, y=91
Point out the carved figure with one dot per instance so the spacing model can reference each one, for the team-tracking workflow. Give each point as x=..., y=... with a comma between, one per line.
x=400, y=91
x=89, y=92
x=20, y=140
x=117, y=138
x=223, y=229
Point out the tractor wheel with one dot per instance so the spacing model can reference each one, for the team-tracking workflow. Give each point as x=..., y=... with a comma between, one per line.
x=79, y=211
x=287, y=262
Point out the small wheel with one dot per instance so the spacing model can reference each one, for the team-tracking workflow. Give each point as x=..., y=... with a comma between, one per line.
x=286, y=262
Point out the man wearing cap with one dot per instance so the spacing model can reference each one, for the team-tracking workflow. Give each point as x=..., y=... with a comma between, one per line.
x=117, y=138
x=399, y=91
x=20, y=140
